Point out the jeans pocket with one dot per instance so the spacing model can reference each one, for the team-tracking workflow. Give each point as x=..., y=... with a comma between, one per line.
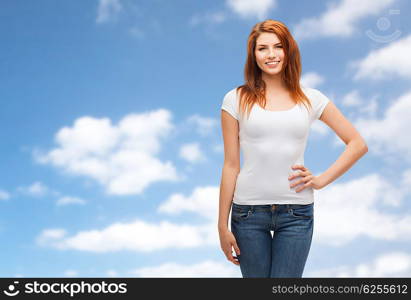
x=241, y=214
x=302, y=212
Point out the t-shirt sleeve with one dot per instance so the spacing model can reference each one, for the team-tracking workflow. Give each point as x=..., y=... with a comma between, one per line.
x=318, y=101
x=230, y=103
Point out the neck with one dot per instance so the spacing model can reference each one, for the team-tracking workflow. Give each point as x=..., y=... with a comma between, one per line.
x=274, y=82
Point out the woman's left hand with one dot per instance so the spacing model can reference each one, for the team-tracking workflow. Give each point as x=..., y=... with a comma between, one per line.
x=308, y=179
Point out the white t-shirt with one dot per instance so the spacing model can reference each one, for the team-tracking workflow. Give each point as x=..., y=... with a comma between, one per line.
x=271, y=142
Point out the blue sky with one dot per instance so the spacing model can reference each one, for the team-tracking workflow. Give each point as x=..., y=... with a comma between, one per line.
x=111, y=141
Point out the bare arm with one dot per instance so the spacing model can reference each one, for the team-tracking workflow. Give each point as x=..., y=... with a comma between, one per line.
x=228, y=180
x=231, y=167
x=355, y=144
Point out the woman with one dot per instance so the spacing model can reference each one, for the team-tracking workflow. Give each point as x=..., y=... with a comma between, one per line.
x=273, y=191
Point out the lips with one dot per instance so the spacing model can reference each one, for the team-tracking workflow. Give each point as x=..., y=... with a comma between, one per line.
x=272, y=64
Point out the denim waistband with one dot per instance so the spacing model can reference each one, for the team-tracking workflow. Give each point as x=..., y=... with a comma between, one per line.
x=270, y=206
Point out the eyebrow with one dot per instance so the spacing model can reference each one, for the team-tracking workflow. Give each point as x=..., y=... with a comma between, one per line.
x=266, y=45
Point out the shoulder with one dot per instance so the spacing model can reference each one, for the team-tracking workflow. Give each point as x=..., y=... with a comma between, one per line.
x=310, y=92
x=314, y=95
x=230, y=103
x=318, y=101
x=231, y=96
x=232, y=93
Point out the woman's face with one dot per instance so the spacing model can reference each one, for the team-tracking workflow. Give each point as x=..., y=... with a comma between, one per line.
x=269, y=49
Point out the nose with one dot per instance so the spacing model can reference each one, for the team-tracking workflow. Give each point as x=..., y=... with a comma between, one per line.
x=271, y=54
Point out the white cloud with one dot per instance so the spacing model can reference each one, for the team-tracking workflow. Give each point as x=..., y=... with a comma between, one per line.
x=112, y=273
x=49, y=235
x=371, y=107
x=406, y=181
x=152, y=236
x=203, y=269
x=107, y=10
x=339, y=19
x=385, y=136
x=39, y=189
x=353, y=99
x=203, y=201
x=358, y=205
x=120, y=157
x=394, y=264
x=36, y=189
x=204, y=126
x=192, y=153
x=66, y=200
x=207, y=18
x=391, y=60
x=122, y=236
x=70, y=273
x=251, y=8
x=4, y=195
x=319, y=128
x=311, y=79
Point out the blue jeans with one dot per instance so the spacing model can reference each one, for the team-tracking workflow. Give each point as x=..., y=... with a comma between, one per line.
x=282, y=255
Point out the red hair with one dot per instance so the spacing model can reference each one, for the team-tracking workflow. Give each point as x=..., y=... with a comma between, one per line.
x=253, y=91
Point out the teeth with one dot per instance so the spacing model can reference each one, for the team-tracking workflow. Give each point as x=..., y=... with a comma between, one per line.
x=272, y=63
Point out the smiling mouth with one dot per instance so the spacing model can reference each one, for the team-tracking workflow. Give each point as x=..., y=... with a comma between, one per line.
x=272, y=63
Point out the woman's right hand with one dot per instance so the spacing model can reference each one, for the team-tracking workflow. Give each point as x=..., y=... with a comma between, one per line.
x=227, y=240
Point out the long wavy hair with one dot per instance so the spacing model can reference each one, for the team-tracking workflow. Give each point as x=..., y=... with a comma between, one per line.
x=253, y=90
